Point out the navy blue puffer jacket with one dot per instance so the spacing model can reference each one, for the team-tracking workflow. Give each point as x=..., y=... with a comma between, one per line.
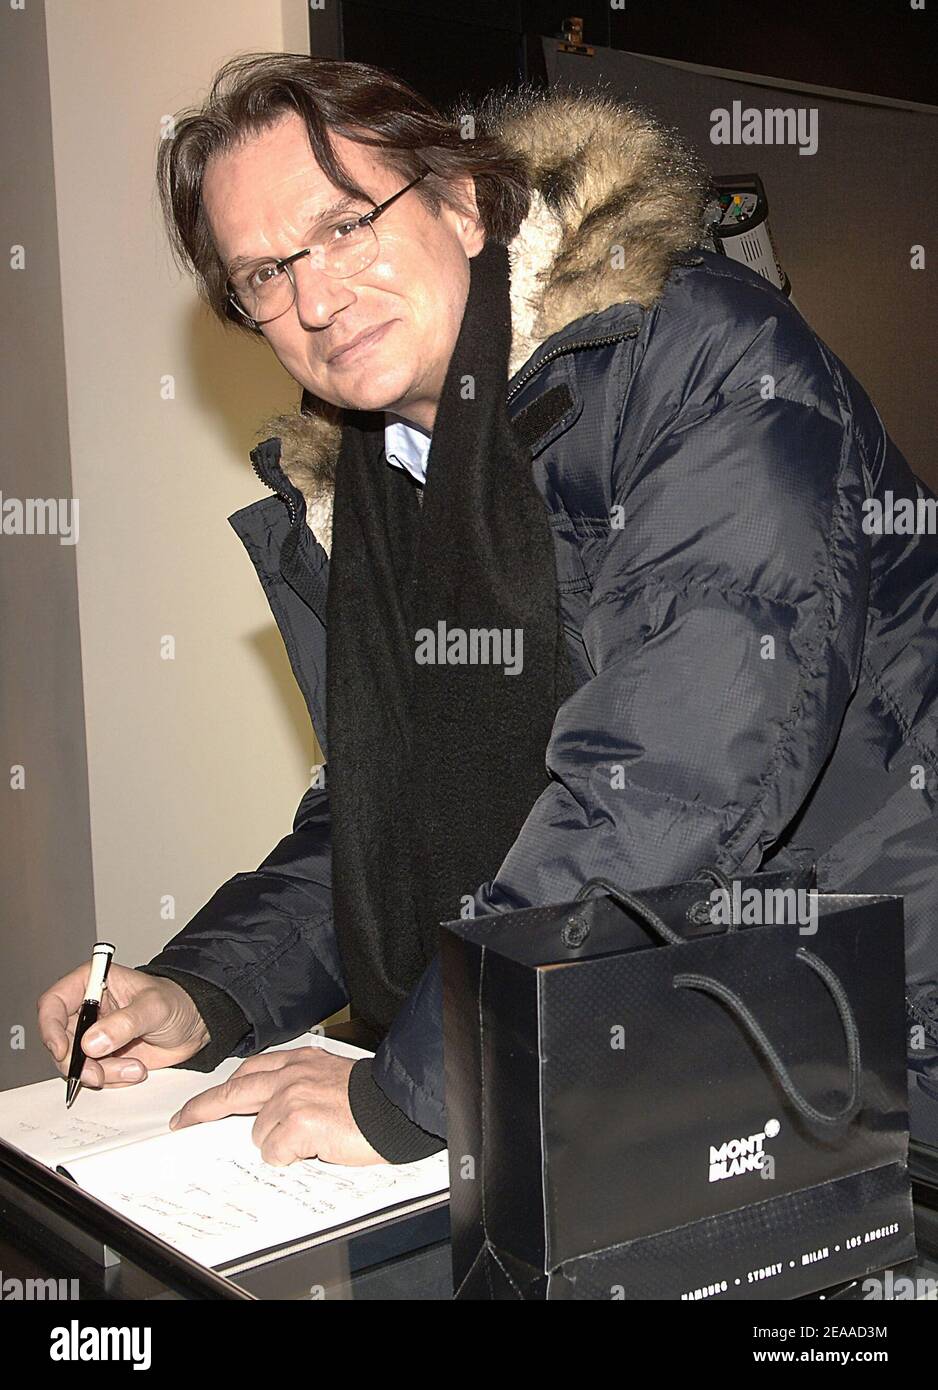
x=757, y=654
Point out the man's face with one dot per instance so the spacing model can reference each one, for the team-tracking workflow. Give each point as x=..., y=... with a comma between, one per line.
x=262, y=200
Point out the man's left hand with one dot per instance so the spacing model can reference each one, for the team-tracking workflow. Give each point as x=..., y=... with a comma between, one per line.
x=300, y=1097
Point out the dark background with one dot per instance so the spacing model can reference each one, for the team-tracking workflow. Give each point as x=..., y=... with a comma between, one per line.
x=882, y=47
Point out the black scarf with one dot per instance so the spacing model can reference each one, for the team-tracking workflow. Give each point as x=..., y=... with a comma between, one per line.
x=434, y=767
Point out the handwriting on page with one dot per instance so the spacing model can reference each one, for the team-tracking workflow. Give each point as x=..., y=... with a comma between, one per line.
x=68, y=1135
x=207, y=1191
x=235, y=1194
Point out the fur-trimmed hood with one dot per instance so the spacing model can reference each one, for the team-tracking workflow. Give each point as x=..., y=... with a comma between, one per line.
x=615, y=198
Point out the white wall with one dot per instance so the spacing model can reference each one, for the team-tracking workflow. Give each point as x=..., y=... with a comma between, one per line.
x=47, y=900
x=195, y=764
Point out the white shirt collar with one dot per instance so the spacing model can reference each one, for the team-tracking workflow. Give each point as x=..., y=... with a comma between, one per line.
x=406, y=445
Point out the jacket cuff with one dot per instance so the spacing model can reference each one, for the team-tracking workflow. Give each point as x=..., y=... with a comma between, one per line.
x=223, y=1018
x=387, y=1129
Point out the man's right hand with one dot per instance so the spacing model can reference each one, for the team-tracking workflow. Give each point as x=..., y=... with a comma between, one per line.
x=145, y=1022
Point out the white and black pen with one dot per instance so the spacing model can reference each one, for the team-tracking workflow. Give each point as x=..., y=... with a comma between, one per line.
x=100, y=965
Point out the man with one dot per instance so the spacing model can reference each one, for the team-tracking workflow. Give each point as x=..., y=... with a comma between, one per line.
x=578, y=513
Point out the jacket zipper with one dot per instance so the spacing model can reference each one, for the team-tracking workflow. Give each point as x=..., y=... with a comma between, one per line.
x=569, y=347
x=291, y=505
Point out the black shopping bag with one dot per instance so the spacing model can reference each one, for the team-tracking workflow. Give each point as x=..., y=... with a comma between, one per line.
x=646, y=1100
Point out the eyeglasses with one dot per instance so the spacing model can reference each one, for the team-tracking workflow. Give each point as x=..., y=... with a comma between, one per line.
x=264, y=291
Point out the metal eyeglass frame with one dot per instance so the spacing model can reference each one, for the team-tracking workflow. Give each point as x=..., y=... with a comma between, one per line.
x=367, y=219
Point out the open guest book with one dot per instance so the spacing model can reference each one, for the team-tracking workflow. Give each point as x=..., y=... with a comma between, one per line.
x=205, y=1189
